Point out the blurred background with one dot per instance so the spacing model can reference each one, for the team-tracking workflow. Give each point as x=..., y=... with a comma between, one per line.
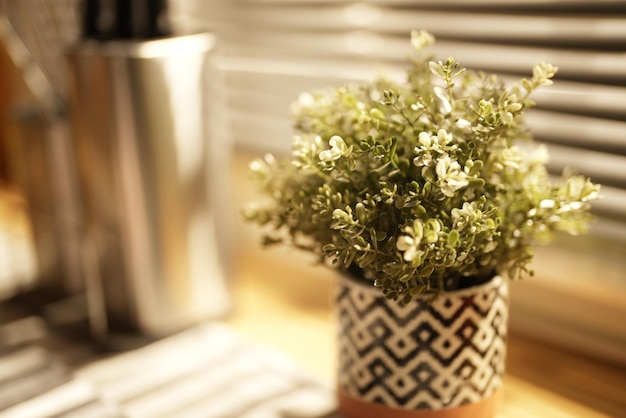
x=95, y=218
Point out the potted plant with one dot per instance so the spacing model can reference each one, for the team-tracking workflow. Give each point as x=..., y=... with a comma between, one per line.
x=427, y=195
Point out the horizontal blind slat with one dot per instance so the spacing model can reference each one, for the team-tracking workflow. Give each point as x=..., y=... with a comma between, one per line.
x=445, y=4
x=599, y=30
x=581, y=131
x=605, y=66
x=612, y=204
x=587, y=98
x=602, y=167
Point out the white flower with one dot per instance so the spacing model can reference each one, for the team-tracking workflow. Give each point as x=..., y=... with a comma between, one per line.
x=431, y=231
x=575, y=187
x=424, y=159
x=258, y=166
x=338, y=149
x=428, y=143
x=463, y=124
x=465, y=215
x=451, y=176
x=421, y=39
x=306, y=99
x=261, y=169
x=424, y=139
x=442, y=100
x=542, y=73
x=410, y=243
x=301, y=147
x=443, y=137
x=539, y=155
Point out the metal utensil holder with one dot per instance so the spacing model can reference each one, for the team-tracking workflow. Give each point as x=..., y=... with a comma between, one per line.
x=152, y=177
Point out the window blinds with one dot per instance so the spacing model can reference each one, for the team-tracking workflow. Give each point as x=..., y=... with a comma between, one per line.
x=274, y=49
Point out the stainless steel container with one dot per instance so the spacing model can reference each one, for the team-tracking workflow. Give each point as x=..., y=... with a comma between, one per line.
x=153, y=174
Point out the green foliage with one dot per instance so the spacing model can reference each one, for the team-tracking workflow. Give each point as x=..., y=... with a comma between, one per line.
x=423, y=185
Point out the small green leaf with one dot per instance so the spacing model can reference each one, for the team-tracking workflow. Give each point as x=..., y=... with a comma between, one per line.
x=453, y=238
x=437, y=69
x=476, y=167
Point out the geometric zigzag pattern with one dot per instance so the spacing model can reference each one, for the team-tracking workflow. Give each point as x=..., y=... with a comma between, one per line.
x=424, y=355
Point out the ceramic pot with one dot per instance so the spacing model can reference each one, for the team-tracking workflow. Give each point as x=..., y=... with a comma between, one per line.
x=438, y=359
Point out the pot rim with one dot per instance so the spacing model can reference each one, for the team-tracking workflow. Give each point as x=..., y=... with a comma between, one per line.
x=495, y=282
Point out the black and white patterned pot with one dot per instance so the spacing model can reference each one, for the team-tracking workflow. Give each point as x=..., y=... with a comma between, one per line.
x=425, y=356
